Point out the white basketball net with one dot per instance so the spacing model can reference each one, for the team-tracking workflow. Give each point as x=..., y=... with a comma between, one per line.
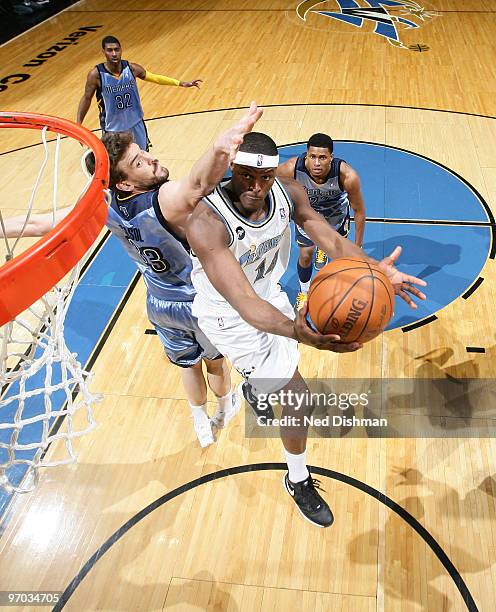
x=44, y=389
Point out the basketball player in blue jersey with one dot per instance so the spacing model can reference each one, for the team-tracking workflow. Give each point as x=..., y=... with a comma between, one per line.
x=148, y=215
x=117, y=95
x=240, y=238
x=332, y=187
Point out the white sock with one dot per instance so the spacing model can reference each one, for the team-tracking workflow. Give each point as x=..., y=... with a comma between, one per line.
x=223, y=403
x=304, y=287
x=198, y=412
x=297, y=466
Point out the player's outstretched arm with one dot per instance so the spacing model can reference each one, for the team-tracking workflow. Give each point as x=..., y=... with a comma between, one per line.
x=92, y=82
x=334, y=245
x=37, y=225
x=207, y=237
x=212, y=166
x=316, y=227
x=178, y=198
x=140, y=73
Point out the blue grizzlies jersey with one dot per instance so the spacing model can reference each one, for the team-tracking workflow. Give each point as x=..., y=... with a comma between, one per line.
x=161, y=258
x=118, y=99
x=327, y=198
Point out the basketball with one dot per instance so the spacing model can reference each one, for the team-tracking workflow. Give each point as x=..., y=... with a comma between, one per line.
x=352, y=298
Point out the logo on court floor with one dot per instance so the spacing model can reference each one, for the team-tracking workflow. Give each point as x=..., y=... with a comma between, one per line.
x=387, y=15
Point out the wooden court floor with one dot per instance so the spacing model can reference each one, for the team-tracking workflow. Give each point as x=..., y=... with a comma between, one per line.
x=146, y=520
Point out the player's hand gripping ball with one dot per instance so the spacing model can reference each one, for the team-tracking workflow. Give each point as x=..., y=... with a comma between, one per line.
x=352, y=298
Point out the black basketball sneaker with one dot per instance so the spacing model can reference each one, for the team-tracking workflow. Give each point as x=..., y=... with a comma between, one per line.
x=252, y=401
x=309, y=502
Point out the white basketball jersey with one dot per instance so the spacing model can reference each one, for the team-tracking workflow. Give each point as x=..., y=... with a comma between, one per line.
x=261, y=247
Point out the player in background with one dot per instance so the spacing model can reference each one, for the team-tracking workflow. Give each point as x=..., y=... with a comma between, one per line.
x=119, y=104
x=332, y=186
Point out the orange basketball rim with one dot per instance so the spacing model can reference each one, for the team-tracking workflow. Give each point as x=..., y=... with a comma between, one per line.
x=31, y=274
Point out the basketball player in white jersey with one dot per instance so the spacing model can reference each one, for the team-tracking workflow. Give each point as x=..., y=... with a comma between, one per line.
x=332, y=186
x=240, y=240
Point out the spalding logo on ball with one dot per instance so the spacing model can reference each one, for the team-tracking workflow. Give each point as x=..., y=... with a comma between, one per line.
x=352, y=298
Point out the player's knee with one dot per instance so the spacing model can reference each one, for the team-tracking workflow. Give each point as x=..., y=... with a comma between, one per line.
x=215, y=365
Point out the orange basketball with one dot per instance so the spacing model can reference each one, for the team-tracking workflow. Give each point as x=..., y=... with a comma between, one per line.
x=352, y=298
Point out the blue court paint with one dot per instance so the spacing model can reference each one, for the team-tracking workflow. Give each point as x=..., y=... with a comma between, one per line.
x=401, y=185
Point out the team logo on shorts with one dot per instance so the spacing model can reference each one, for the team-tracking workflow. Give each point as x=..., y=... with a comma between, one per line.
x=240, y=232
x=246, y=372
x=387, y=15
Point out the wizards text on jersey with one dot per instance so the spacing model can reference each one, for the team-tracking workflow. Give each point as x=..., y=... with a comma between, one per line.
x=255, y=253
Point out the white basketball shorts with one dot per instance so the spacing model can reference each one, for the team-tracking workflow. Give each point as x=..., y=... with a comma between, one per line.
x=267, y=361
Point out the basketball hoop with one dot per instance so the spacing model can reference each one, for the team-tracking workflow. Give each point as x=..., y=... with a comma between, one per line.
x=31, y=274
x=41, y=380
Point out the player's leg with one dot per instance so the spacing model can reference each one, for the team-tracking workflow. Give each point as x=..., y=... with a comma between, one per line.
x=228, y=402
x=218, y=376
x=305, y=257
x=298, y=480
x=176, y=327
x=192, y=378
x=196, y=391
x=296, y=405
x=269, y=363
x=194, y=384
x=219, y=379
x=140, y=136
